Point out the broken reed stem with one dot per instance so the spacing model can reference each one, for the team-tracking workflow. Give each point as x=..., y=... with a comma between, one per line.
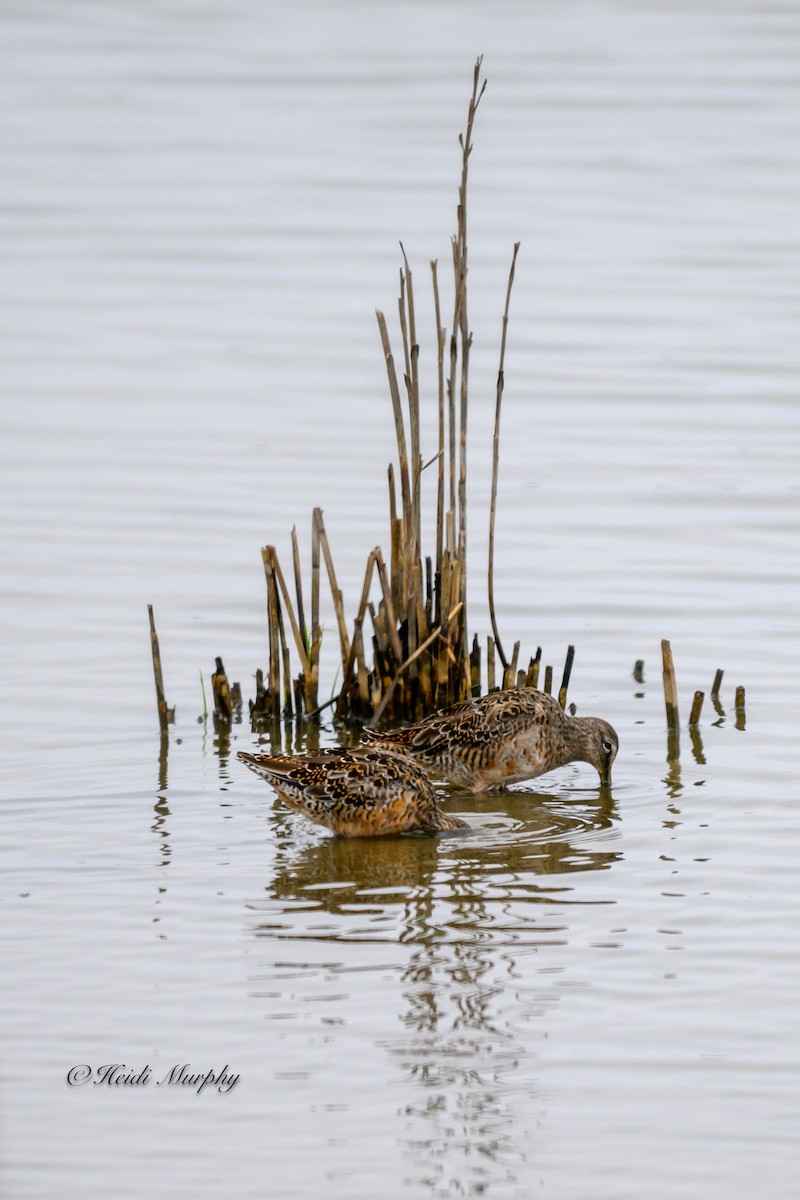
x=562, y=691
x=475, y=667
x=273, y=689
x=510, y=673
x=741, y=716
x=670, y=685
x=532, y=678
x=166, y=715
x=223, y=703
x=697, y=705
x=437, y=633
x=496, y=457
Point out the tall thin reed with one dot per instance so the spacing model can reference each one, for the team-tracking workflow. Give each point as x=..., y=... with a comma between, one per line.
x=496, y=458
x=166, y=715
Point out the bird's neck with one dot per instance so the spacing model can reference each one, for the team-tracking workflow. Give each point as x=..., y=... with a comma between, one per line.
x=580, y=736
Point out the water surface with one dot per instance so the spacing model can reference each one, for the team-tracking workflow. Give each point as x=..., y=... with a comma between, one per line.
x=587, y=993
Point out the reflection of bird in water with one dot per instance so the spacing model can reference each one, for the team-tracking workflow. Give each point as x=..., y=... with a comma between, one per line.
x=363, y=792
x=503, y=738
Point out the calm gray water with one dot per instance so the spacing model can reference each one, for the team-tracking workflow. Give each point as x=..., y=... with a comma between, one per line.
x=201, y=207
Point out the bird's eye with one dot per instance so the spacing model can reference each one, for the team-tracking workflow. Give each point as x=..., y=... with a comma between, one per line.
x=607, y=747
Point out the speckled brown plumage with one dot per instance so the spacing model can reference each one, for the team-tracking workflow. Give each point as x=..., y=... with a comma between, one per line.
x=363, y=792
x=503, y=738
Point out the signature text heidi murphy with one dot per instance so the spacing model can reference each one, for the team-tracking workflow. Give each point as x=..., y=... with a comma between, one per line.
x=119, y=1075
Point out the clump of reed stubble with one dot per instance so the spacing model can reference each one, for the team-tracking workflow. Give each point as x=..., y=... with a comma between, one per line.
x=408, y=652
x=421, y=657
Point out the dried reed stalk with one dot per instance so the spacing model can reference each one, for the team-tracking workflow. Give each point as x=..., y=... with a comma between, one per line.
x=421, y=654
x=441, y=338
x=532, y=677
x=286, y=664
x=562, y=691
x=510, y=673
x=475, y=666
x=357, y=646
x=412, y=387
x=496, y=458
x=316, y=631
x=670, y=686
x=399, y=424
x=272, y=698
x=338, y=603
x=391, y=620
x=741, y=716
x=223, y=704
x=437, y=633
x=300, y=636
x=166, y=716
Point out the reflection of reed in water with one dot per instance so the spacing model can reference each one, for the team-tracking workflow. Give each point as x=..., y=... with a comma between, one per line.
x=162, y=813
x=159, y=828
x=535, y=835
x=466, y=998
x=460, y=1047
x=161, y=809
x=462, y=914
x=465, y=912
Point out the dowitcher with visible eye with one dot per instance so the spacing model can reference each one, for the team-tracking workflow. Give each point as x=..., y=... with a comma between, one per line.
x=504, y=737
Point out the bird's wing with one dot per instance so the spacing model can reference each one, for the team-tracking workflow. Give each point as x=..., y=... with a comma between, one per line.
x=484, y=721
x=360, y=776
x=373, y=776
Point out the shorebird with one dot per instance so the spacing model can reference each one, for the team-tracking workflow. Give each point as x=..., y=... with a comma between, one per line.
x=363, y=792
x=505, y=737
